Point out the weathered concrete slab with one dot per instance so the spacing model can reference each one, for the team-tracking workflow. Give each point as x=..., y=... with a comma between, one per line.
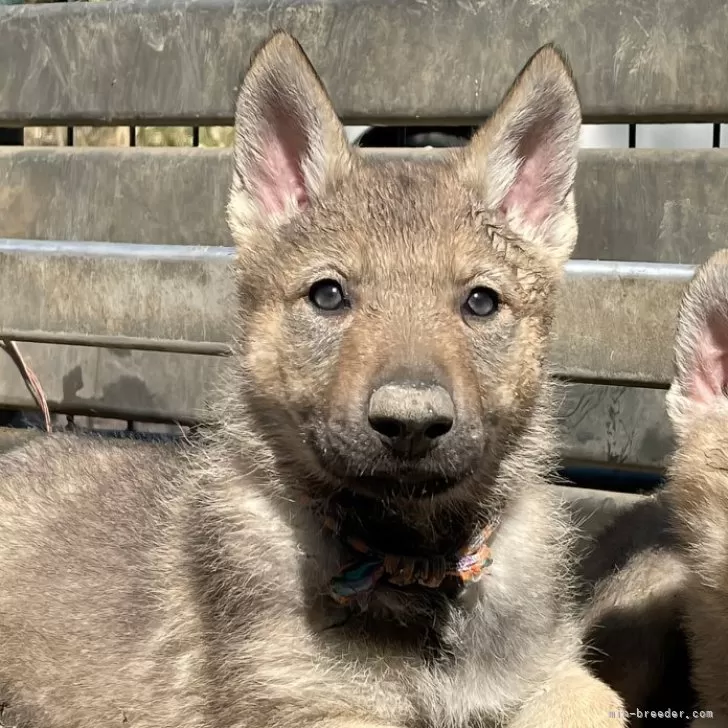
x=117, y=383
x=615, y=322
x=383, y=61
x=636, y=205
x=622, y=427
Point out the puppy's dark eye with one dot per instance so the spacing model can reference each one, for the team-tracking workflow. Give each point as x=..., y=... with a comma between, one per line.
x=327, y=295
x=481, y=301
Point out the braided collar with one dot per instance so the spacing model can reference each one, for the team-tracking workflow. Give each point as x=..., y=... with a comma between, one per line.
x=370, y=567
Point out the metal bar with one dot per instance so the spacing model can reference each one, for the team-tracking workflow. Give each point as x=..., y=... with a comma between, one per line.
x=122, y=251
x=445, y=62
x=182, y=296
x=119, y=342
x=159, y=298
x=621, y=270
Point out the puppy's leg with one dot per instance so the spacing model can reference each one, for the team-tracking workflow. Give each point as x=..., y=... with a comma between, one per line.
x=573, y=698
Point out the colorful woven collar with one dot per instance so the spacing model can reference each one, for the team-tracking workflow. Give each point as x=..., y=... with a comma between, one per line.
x=358, y=578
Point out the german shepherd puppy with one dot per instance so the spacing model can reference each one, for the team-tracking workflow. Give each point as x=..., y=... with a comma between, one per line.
x=698, y=478
x=368, y=536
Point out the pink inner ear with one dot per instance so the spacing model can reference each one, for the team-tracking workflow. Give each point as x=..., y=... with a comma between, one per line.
x=278, y=178
x=533, y=192
x=710, y=373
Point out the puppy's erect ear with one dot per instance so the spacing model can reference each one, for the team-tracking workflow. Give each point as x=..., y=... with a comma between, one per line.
x=701, y=343
x=523, y=160
x=289, y=142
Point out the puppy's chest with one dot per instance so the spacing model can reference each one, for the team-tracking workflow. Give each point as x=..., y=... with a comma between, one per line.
x=448, y=669
x=470, y=693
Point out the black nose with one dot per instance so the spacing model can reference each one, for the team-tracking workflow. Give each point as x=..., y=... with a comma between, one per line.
x=410, y=418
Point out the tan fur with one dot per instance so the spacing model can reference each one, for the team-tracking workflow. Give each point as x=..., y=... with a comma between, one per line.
x=634, y=600
x=144, y=586
x=698, y=488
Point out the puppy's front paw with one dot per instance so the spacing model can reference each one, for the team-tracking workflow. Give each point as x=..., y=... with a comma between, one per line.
x=573, y=699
